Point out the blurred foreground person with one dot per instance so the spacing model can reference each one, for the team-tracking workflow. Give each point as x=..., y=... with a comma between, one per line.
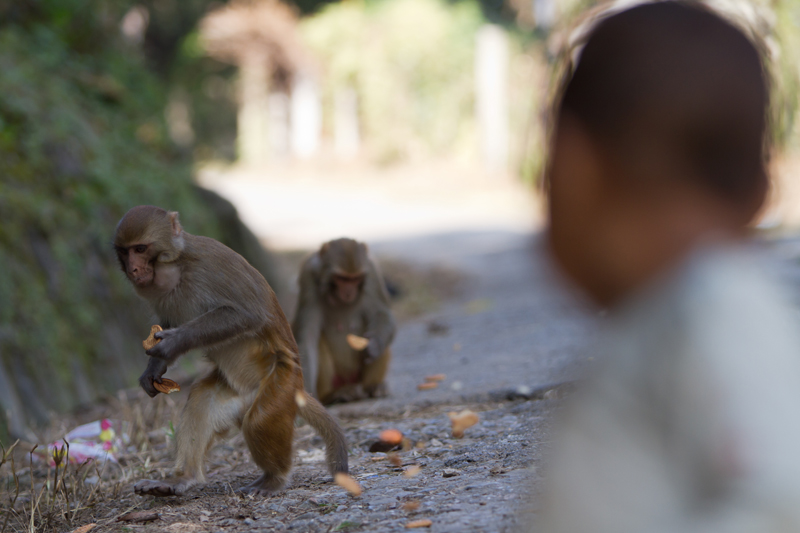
x=692, y=423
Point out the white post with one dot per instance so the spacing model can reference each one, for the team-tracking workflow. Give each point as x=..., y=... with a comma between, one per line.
x=251, y=121
x=306, y=116
x=346, y=133
x=279, y=124
x=491, y=96
x=544, y=13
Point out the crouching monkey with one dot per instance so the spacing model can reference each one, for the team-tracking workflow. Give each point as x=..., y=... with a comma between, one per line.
x=341, y=293
x=207, y=296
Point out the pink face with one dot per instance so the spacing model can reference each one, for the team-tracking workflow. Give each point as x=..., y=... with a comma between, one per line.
x=137, y=261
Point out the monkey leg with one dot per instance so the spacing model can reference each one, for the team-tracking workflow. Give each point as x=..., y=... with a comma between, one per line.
x=374, y=376
x=212, y=410
x=326, y=373
x=268, y=429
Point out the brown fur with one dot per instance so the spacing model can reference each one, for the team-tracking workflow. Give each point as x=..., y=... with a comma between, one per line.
x=207, y=296
x=333, y=370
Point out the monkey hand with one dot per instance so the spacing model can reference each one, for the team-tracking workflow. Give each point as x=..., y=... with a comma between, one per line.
x=372, y=351
x=168, y=347
x=155, y=369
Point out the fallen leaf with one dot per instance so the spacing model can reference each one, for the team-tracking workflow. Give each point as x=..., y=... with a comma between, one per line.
x=151, y=341
x=461, y=421
x=419, y=523
x=347, y=483
x=436, y=377
x=427, y=385
x=300, y=399
x=356, y=342
x=138, y=516
x=391, y=436
x=84, y=529
x=412, y=471
x=167, y=386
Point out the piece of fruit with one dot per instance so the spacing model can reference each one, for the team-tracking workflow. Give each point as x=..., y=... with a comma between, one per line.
x=427, y=385
x=151, y=341
x=391, y=436
x=167, y=386
x=461, y=421
x=356, y=342
x=419, y=523
x=436, y=377
x=347, y=483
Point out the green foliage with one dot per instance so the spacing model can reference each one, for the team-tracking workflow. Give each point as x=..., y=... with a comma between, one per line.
x=82, y=139
x=411, y=64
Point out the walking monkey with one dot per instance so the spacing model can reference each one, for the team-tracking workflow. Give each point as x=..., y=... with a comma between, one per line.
x=207, y=296
x=342, y=292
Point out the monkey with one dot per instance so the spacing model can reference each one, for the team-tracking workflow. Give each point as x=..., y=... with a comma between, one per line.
x=342, y=292
x=209, y=297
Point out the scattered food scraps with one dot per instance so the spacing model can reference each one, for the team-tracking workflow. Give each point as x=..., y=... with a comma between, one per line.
x=419, y=523
x=412, y=471
x=395, y=460
x=347, y=483
x=427, y=385
x=84, y=529
x=151, y=341
x=391, y=436
x=167, y=386
x=356, y=342
x=436, y=377
x=461, y=421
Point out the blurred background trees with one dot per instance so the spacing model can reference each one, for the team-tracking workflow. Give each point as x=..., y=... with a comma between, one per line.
x=106, y=104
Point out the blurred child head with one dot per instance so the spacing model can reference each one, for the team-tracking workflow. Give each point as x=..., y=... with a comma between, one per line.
x=659, y=146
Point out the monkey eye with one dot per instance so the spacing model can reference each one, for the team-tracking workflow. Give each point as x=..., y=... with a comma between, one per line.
x=140, y=248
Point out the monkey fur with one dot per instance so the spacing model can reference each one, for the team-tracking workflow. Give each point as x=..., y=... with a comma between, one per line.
x=208, y=297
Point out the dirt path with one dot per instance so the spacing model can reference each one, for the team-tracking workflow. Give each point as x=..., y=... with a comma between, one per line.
x=503, y=344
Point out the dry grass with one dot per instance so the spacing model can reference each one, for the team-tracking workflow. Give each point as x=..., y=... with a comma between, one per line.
x=38, y=497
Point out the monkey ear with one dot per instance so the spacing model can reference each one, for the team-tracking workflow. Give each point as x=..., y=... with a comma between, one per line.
x=176, y=225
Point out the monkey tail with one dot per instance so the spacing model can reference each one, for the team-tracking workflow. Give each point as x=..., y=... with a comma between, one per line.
x=321, y=420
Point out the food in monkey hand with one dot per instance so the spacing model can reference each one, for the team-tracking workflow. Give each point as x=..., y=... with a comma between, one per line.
x=427, y=385
x=461, y=421
x=151, y=341
x=167, y=386
x=347, y=483
x=356, y=342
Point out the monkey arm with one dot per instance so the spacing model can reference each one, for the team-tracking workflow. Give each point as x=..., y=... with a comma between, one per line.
x=215, y=326
x=380, y=331
x=378, y=317
x=307, y=329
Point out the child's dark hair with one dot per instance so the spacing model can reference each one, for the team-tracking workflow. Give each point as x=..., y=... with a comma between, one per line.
x=675, y=76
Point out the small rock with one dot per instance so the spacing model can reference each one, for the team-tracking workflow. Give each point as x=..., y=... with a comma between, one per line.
x=449, y=472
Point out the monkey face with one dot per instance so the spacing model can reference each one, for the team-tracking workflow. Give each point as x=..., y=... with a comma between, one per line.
x=346, y=288
x=137, y=262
